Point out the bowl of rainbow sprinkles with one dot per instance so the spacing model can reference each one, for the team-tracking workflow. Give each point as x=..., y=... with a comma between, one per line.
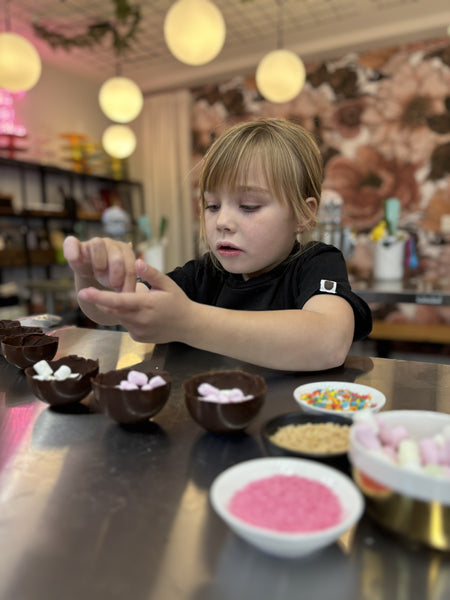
x=338, y=398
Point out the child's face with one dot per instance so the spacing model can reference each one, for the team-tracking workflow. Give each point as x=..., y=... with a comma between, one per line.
x=248, y=230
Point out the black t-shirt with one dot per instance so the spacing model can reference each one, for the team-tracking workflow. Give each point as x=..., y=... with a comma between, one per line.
x=317, y=269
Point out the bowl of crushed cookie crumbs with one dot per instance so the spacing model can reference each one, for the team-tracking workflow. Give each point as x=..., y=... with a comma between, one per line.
x=324, y=438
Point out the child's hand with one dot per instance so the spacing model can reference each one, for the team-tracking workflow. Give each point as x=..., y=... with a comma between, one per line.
x=158, y=315
x=108, y=262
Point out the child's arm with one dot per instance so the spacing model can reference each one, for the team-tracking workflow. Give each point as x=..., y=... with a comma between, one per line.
x=315, y=338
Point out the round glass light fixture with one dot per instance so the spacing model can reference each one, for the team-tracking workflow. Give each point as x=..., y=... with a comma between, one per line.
x=20, y=63
x=280, y=76
x=194, y=31
x=120, y=99
x=119, y=141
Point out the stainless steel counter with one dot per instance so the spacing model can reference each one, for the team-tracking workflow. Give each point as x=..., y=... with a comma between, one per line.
x=93, y=510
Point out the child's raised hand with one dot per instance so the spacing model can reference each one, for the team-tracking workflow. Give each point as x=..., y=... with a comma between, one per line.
x=110, y=263
x=160, y=314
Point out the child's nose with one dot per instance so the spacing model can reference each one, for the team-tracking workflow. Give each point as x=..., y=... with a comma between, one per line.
x=225, y=219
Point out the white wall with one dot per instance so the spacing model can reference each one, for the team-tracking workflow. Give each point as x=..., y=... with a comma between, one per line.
x=61, y=102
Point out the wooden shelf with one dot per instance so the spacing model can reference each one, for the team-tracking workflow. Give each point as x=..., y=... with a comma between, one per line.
x=55, y=170
x=42, y=189
x=19, y=258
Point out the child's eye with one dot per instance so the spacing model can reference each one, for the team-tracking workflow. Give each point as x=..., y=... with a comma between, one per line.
x=249, y=207
x=212, y=207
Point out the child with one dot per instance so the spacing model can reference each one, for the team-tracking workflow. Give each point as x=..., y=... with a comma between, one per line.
x=257, y=294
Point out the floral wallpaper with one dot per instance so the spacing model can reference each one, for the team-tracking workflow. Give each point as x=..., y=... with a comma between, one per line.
x=382, y=122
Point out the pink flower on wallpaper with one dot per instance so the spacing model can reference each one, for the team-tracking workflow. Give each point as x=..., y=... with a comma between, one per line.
x=365, y=181
x=346, y=119
x=436, y=210
x=397, y=117
x=208, y=122
x=311, y=105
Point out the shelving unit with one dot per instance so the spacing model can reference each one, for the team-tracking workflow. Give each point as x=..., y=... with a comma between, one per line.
x=47, y=196
x=45, y=199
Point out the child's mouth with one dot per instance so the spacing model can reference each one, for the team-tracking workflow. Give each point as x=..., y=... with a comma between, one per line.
x=226, y=250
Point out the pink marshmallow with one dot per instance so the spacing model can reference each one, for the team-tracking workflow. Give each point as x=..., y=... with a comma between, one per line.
x=429, y=451
x=384, y=431
x=137, y=378
x=127, y=385
x=206, y=389
x=235, y=395
x=445, y=454
x=154, y=382
x=213, y=398
x=366, y=436
x=393, y=436
x=398, y=434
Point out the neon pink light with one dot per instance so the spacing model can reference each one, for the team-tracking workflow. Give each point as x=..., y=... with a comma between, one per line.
x=8, y=125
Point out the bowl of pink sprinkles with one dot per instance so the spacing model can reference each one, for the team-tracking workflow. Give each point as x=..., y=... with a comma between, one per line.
x=287, y=507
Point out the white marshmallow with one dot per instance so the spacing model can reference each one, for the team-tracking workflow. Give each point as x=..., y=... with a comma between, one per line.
x=62, y=373
x=43, y=368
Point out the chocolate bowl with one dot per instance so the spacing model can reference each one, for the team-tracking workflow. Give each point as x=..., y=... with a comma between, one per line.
x=58, y=392
x=232, y=417
x=8, y=324
x=15, y=328
x=129, y=406
x=26, y=349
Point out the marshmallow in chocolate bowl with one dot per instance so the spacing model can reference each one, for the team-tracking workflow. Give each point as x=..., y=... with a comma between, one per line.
x=62, y=381
x=26, y=349
x=130, y=396
x=224, y=402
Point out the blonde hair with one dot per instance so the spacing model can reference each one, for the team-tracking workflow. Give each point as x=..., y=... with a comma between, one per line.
x=289, y=156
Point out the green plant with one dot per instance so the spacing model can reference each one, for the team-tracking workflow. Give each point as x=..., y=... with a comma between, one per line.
x=123, y=30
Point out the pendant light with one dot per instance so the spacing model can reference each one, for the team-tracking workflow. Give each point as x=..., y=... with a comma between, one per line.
x=194, y=31
x=120, y=99
x=280, y=75
x=20, y=63
x=119, y=141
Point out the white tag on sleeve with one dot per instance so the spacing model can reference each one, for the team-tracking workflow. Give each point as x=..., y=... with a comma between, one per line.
x=328, y=286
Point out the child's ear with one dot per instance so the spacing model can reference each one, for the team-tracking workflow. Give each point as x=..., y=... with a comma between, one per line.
x=313, y=206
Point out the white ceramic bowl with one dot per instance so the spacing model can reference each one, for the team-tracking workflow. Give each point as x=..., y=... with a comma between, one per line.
x=418, y=485
x=410, y=503
x=377, y=398
x=281, y=543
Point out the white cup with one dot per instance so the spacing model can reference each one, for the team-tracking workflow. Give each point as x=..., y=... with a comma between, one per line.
x=154, y=256
x=389, y=257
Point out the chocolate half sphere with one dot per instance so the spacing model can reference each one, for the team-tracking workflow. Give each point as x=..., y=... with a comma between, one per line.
x=129, y=406
x=26, y=349
x=225, y=418
x=66, y=391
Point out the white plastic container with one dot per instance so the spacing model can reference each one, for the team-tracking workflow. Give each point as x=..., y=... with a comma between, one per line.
x=389, y=257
